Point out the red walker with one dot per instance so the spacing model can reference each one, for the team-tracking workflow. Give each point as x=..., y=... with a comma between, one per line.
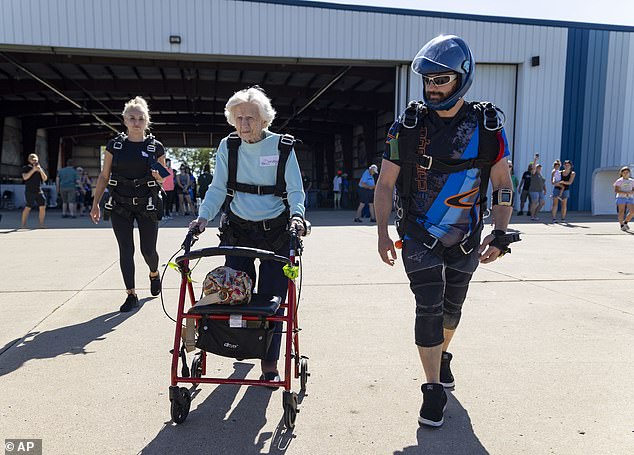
x=261, y=310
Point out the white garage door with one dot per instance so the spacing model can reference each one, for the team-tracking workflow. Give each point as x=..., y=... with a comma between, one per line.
x=496, y=83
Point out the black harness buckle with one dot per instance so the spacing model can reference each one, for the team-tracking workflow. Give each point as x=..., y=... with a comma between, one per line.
x=462, y=247
x=287, y=140
x=421, y=161
x=433, y=244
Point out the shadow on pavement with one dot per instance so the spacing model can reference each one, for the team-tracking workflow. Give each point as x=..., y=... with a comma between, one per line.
x=455, y=437
x=212, y=427
x=72, y=339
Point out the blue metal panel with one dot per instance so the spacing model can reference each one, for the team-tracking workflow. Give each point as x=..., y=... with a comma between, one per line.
x=574, y=97
x=586, y=74
x=592, y=139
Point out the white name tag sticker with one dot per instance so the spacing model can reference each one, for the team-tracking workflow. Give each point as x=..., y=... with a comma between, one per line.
x=266, y=161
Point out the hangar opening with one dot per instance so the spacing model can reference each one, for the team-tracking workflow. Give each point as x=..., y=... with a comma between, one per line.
x=68, y=105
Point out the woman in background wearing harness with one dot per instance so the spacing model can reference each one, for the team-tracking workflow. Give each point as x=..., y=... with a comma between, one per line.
x=135, y=195
x=258, y=181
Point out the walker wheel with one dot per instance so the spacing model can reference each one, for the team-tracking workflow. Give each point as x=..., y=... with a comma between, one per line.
x=303, y=373
x=197, y=367
x=289, y=402
x=180, y=405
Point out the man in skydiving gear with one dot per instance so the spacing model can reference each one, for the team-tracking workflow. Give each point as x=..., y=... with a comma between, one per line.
x=440, y=155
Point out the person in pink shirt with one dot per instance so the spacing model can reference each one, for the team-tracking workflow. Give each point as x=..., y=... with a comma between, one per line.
x=168, y=187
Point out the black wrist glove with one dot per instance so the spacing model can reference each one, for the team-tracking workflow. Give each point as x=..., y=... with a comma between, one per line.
x=502, y=241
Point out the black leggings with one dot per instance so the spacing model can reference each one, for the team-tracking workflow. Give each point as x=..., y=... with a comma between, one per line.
x=123, y=227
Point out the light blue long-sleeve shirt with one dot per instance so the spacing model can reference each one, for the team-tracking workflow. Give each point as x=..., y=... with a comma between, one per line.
x=257, y=165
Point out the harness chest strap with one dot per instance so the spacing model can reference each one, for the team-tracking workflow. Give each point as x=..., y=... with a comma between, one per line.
x=285, y=145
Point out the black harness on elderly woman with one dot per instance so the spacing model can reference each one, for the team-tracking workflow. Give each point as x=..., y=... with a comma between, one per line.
x=234, y=229
x=285, y=145
x=147, y=199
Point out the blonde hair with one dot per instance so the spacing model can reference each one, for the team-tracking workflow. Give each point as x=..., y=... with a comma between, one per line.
x=254, y=95
x=140, y=104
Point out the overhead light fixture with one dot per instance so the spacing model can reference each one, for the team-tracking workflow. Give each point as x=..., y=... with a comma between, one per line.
x=175, y=39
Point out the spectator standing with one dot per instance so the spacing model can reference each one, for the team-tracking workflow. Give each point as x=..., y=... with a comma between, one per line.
x=567, y=179
x=624, y=189
x=366, y=193
x=33, y=176
x=336, y=190
x=537, y=191
x=168, y=187
x=67, y=182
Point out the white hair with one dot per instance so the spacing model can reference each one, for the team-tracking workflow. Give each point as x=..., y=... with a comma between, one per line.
x=254, y=95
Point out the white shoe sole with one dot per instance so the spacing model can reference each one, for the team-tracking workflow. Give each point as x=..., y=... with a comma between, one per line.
x=449, y=385
x=432, y=423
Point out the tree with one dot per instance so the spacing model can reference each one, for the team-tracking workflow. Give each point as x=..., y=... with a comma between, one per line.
x=195, y=158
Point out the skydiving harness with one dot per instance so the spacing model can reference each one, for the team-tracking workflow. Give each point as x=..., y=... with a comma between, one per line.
x=490, y=121
x=234, y=227
x=149, y=200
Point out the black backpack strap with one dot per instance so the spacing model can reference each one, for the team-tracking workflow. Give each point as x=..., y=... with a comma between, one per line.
x=233, y=144
x=490, y=144
x=118, y=140
x=150, y=144
x=285, y=145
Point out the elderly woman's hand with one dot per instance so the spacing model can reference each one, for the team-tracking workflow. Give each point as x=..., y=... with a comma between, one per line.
x=200, y=223
x=297, y=225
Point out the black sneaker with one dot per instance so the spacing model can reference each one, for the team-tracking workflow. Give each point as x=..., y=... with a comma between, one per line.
x=358, y=220
x=446, y=378
x=520, y=213
x=434, y=405
x=131, y=302
x=155, y=285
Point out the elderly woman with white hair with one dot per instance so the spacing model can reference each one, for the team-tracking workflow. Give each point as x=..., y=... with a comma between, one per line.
x=258, y=184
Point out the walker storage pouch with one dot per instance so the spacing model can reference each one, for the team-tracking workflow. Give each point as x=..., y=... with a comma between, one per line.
x=235, y=338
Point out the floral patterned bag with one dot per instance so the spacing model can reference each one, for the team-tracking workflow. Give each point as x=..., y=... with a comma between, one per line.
x=224, y=285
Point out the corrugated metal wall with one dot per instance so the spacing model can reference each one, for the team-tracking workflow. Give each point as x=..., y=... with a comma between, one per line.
x=618, y=134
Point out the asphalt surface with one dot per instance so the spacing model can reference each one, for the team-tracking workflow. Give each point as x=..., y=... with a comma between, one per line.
x=543, y=358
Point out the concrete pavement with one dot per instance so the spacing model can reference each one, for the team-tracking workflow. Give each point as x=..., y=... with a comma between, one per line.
x=543, y=357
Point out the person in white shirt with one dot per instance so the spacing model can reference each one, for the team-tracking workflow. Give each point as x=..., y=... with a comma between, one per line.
x=336, y=190
x=624, y=189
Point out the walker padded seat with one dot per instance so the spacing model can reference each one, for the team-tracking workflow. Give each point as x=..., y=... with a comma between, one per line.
x=260, y=305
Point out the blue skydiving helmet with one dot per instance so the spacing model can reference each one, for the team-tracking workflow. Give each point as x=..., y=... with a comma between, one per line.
x=441, y=54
